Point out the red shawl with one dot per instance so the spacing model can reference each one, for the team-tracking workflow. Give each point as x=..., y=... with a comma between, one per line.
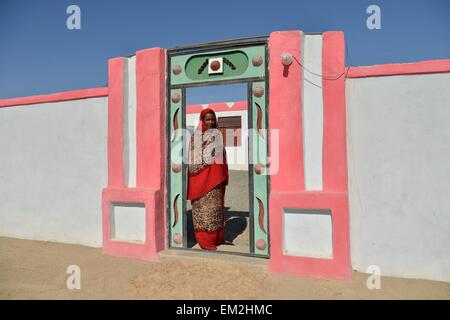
x=210, y=176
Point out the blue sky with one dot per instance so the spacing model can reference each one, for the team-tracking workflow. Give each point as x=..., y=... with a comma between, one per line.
x=39, y=55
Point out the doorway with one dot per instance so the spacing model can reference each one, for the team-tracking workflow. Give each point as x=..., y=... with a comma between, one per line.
x=232, y=82
x=229, y=103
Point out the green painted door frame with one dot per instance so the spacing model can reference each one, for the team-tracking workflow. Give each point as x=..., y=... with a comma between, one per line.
x=243, y=61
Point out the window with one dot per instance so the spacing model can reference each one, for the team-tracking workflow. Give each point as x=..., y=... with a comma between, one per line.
x=230, y=127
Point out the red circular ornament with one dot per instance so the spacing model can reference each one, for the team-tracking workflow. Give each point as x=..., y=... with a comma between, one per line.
x=175, y=98
x=261, y=244
x=176, y=167
x=176, y=69
x=257, y=61
x=258, y=92
x=259, y=168
x=177, y=238
x=215, y=65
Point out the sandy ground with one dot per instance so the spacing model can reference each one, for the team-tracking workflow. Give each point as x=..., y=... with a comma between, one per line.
x=37, y=270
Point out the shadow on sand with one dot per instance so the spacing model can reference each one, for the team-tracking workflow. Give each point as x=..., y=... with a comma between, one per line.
x=236, y=223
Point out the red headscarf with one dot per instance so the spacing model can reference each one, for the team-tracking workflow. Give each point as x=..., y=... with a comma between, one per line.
x=202, y=125
x=210, y=176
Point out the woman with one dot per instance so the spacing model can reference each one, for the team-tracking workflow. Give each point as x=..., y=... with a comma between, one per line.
x=208, y=176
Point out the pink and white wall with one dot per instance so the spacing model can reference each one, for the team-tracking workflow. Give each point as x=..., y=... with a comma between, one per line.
x=363, y=166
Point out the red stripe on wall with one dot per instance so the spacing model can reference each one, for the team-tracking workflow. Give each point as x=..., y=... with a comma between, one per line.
x=115, y=123
x=286, y=111
x=150, y=94
x=334, y=139
x=422, y=67
x=335, y=175
x=55, y=97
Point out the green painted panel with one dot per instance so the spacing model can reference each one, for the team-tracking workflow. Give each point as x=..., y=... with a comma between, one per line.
x=176, y=177
x=242, y=58
x=260, y=209
x=197, y=66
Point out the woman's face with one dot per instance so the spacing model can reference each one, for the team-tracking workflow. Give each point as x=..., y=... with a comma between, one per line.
x=210, y=120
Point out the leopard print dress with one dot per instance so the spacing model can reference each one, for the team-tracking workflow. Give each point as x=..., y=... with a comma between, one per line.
x=208, y=210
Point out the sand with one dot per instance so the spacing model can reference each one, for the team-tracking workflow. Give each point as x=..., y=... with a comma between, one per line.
x=37, y=270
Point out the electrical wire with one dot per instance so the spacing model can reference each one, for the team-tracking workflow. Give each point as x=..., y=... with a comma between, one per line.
x=330, y=77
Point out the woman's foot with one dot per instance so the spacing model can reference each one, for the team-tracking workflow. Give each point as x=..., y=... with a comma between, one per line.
x=210, y=248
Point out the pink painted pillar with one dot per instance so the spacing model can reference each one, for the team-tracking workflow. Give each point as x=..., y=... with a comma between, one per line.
x=115, y=122
x=285, y=100
x=150, y=154
x=150, y=87
x=335, y=144
x=287, y=185
x=151, y=137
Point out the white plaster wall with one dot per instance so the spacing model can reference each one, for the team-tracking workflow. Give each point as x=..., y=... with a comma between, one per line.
x=129, y=122
x=312, y=111
x=307, y=233
x=399, y=174
x=53, y=167
x=128, y=222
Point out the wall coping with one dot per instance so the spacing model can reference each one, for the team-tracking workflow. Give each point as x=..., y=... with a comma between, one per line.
x=55, y=97
x=421, y=67
x=380, y=70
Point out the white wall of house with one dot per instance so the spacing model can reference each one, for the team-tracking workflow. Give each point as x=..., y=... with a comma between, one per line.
x=53, y=167
x=398, y=130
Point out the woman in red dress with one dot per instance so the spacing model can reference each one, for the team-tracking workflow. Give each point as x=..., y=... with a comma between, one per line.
x=208, y=177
